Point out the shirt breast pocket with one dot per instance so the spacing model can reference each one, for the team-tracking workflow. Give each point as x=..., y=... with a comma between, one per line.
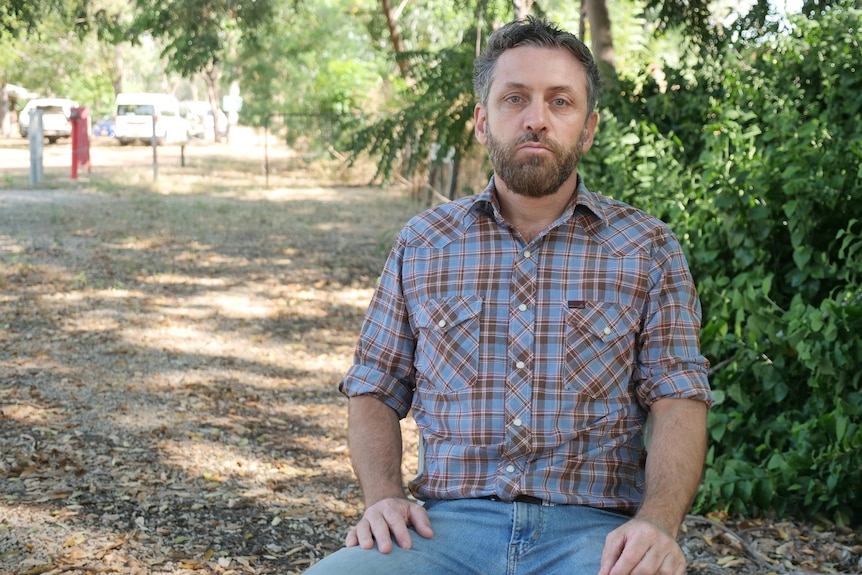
x=447, y=350
x=600, y=348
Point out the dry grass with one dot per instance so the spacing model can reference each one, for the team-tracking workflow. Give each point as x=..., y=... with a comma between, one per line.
x=168, y=365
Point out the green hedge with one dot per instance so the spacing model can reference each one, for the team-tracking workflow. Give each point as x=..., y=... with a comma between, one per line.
x=755, y=161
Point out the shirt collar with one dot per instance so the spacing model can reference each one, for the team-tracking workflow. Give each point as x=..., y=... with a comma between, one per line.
x=589, y=203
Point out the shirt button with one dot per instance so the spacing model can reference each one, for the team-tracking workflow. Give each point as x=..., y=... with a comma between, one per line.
x=522, y=307
x=517, y=422
x=607, y=331
x=527, y=253
x=520, y=365
x=442, y=323
x=510, y=469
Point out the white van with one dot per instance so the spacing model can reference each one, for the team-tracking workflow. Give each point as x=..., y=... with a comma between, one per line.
x=136, y=113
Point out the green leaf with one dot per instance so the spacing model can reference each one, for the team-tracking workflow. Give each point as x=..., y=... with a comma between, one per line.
x=766, y=285
x=630, y=139
x=776, y=461
x=802, y=256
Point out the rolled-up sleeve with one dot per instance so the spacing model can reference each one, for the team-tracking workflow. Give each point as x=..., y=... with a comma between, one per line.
x=383, y=361
x=670, y=364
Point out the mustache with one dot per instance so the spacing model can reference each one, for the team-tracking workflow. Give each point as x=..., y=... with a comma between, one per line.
x=532, y=137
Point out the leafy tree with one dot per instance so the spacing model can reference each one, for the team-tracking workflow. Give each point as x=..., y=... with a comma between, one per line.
x=65, y=66
x=313, y=69
x=19, y=17
x=200, y=32
x=200, y=35
x=437, y=111
x=755, y=161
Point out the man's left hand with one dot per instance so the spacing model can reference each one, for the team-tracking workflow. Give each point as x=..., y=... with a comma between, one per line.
x=640, y=547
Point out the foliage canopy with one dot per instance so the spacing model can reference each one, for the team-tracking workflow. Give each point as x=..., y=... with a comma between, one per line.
x=756, y=162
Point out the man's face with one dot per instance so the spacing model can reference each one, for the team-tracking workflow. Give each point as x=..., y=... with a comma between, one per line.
x=534, y=175
x=537, y=124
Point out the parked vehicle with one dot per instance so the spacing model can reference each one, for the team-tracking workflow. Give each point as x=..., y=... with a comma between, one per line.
x=202, y=120
x=105, y=126
x=139, y=116
x=55, y=117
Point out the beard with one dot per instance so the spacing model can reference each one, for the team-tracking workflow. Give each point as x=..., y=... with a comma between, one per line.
x=536, y=176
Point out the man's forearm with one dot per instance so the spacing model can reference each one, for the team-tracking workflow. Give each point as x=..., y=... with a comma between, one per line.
x=675, y=461
x=374, y=436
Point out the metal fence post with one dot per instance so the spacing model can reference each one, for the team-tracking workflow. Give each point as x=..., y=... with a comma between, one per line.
x=37, y=143
x=155, y=142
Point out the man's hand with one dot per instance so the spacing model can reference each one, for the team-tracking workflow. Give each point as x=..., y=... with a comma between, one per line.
x=386, y=519
x=640, y=547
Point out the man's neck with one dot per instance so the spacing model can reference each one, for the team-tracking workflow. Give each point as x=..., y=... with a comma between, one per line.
x=531, y=216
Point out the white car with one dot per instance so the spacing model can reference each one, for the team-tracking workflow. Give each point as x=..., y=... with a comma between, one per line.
x=55, y=117
x=202, y=119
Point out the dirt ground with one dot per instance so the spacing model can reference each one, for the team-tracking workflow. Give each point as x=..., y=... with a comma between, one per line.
x=170, y=347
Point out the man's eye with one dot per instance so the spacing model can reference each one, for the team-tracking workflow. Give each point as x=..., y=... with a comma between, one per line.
x=561, y=102
x=515, y=99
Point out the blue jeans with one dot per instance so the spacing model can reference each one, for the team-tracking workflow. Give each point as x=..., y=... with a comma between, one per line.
x=483, y=537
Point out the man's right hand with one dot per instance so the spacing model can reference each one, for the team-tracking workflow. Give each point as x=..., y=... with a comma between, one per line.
x=388, y=519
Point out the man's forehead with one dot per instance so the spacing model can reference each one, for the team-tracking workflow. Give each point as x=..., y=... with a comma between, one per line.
x=529, y=66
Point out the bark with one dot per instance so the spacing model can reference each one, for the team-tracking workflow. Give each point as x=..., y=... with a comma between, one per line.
x=116, y=69
x=5, y=124
x=523, y=8
x=601, y=39
x=211, y=76
x=232, y=117
x=112, y=55
x=582, y=25
x=395, y=37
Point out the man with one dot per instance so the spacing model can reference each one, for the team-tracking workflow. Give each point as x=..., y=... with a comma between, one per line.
x=530, y=329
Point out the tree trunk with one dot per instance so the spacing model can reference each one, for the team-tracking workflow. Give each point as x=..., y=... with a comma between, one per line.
x=112, y=55
x=233, y=115
x=523, y=8
x=5, y=124
x=395, y=37
x=602, y=40
x=582, y=25
x=116, y=68
x=211, y=76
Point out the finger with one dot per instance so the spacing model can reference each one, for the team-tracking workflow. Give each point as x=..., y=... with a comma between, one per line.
x=673, y=563
x=420, y=521
x=364, y=535
x=630, y=552
x=670, y=566
x=611, y=552
x=397, y=526
x=351, y=540
x=639, y=560
x=378, y=530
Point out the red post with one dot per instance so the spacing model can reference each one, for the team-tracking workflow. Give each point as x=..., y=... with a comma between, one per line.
x=80, y=140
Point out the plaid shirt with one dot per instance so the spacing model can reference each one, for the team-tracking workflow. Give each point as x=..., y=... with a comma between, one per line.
x=530, y=368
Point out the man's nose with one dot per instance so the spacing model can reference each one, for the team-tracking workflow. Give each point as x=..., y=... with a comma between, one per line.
x=536, y=116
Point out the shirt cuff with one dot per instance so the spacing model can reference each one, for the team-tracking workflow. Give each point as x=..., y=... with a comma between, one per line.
x=363, y=380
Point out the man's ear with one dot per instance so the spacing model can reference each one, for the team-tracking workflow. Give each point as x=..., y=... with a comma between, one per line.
x=480, y=120
x=590, y=129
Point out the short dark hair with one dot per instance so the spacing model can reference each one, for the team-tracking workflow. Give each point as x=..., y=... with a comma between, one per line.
x=538, y=33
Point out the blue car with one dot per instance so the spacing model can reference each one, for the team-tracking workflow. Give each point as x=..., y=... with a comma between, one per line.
x=104, y=127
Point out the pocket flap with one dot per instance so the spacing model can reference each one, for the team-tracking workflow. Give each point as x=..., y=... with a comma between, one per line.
x=606, y=321
x=444, y=314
